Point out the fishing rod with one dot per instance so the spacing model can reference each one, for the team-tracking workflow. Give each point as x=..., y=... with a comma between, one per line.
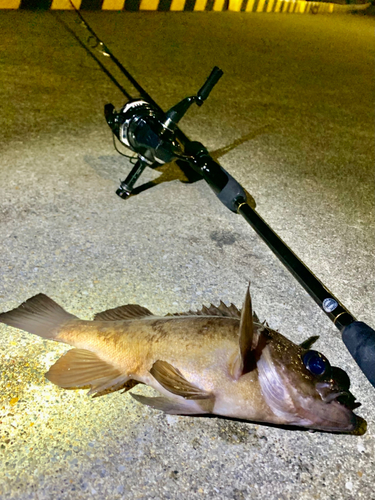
x=154, y=136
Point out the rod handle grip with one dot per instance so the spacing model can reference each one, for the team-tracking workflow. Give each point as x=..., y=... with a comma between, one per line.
x=359, y=339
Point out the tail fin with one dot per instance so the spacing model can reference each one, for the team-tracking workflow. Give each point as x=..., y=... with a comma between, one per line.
x=39, y=315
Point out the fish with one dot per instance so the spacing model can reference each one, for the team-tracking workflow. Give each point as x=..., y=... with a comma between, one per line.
x=219, y=360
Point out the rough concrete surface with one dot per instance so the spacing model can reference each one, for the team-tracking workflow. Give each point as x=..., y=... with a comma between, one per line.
x=292, y=120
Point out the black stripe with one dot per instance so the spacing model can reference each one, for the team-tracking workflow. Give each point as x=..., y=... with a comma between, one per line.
x=244, y=5
x=35, y=4
x=266, y=3
x=132, y=5
x=164, y=5
x=209, y=5
x=91, y=5
x=189, y=5
x=255, y=6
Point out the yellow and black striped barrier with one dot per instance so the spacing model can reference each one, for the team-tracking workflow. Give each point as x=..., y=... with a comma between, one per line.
x=280, y=6
x=128, y=5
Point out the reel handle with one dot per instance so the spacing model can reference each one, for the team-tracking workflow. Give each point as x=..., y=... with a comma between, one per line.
x=211, y=81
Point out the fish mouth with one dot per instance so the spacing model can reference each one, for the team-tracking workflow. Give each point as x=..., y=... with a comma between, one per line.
x=340, y=418
x=334, y=413
x=336, y=388
x=344, y=403
x=344, y=398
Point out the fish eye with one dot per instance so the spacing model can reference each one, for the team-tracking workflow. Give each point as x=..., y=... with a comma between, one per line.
x=316, y=363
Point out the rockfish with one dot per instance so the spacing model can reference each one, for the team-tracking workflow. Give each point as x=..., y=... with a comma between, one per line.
x=218, y=360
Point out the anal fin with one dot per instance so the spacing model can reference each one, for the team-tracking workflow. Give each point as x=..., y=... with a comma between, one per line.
x=169, y=406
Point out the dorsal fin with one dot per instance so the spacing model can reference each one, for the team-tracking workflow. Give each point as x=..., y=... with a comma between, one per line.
x=130, y=311
x=223, y=310
x=306, y=344
x=246, y=330
x=249, y=341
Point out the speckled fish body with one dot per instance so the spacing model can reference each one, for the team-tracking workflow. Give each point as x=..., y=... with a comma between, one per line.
x=218, y=360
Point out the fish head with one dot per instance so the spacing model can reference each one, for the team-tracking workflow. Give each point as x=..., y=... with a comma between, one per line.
x=302, y=388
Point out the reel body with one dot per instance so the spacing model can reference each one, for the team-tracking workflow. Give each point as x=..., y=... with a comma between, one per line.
x=153, y=135
x=140, y=127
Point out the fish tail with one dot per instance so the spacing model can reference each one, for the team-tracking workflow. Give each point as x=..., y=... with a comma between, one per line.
x=39, y=315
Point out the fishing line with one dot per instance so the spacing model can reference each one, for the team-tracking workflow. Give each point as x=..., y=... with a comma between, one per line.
x=105, y=51
x=131, y=158
x=110, y=76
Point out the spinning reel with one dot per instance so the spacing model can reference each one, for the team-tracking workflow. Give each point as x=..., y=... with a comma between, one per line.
x=154, y=136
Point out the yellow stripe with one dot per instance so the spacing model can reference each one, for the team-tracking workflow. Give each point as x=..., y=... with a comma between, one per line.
x=235, y=5
x=200, y=4
x=177, y=5
x=9, y=4
x=149, y=5
x=277, y=6
x=218, y=5
x=113, y=4
x=260, y=5
x=269, y=5
x=65, y=4
x=250, y=6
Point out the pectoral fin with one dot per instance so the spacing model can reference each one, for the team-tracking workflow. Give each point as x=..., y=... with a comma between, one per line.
x=173, y=381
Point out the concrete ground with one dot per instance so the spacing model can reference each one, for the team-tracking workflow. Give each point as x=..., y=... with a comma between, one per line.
x=292, y=120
